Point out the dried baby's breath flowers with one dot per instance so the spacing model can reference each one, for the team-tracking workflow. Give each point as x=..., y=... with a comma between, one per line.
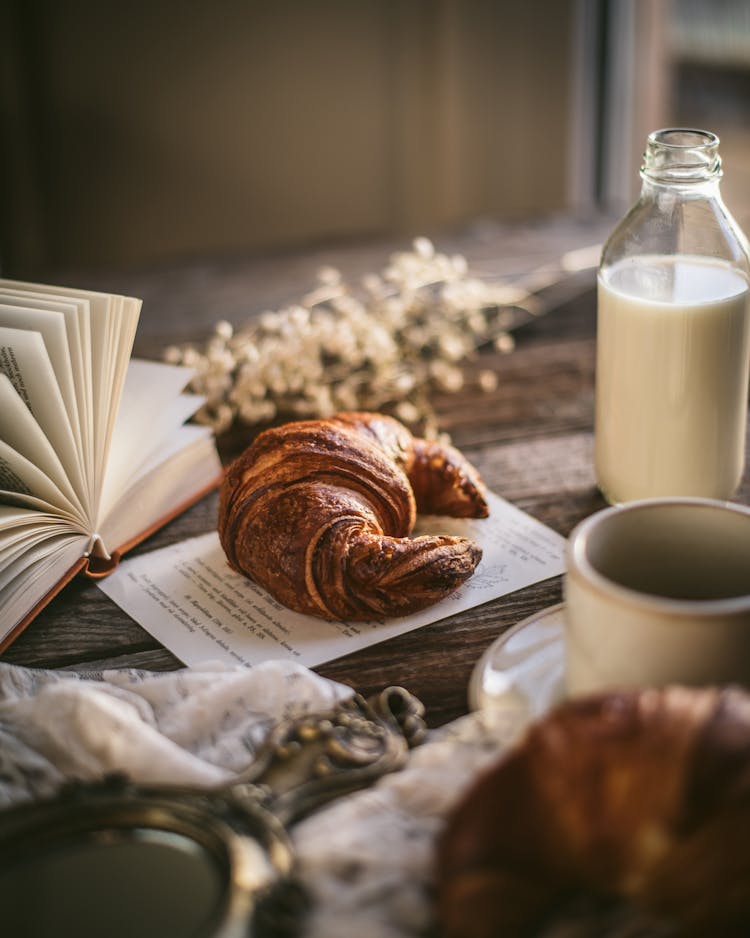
x=386, y=346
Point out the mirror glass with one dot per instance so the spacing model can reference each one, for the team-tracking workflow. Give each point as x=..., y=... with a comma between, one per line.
x=118, y=883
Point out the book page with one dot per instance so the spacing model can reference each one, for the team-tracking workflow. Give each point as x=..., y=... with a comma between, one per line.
x=112, y=336
x=41, y=570
x=50, y=324
x=29, y=547
x=186, y=463
x=151, y=409
x=22, y=433
x=17, y=543
x=111, y=326
x=24, y=359
x=15, y=498
x=12, y=519
x=193, y=603
x=19, y=476
x=76, y=312
x=22, y=527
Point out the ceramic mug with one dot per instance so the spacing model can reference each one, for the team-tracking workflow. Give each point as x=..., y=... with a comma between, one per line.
x=658, y=592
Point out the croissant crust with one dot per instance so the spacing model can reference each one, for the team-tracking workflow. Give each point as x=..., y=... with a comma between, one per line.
x=319, y=513
x=636, y=800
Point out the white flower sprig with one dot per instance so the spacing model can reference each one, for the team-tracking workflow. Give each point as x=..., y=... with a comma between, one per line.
x=385, y=347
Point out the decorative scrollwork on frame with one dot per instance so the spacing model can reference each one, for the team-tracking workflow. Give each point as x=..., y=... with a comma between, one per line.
x=308, y=760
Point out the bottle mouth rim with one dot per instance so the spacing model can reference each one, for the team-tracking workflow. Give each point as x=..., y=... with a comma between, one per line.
x=684, y=155
x=683, y=138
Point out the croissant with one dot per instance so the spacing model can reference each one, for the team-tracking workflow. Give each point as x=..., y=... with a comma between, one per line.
x=625, y=804
x=319, y=513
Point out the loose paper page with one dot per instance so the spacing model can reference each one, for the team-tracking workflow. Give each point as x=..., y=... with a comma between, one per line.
x=189, y=599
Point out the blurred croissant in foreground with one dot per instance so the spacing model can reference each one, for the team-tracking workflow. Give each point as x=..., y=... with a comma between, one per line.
x=319, y=513
x=623, y=814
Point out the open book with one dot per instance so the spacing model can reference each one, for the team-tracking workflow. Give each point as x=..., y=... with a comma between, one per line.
x=94, y=451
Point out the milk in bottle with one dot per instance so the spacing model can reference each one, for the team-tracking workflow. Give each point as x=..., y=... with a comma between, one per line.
x=673, y=352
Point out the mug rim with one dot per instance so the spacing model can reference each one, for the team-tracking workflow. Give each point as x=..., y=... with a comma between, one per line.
x=580, y=566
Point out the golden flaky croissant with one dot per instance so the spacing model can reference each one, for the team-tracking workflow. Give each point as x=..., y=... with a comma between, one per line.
x=319, y=513
x=634, y=804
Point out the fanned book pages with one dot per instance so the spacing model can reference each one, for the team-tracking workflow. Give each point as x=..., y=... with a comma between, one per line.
x=95, y=453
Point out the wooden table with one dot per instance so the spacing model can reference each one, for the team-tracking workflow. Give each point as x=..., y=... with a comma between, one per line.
x=531, y=439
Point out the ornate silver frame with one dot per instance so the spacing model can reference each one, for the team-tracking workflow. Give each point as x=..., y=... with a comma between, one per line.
x=241, y=829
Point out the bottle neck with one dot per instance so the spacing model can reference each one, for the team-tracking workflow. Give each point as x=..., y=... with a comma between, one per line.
x=688, y=159
x=680, y=211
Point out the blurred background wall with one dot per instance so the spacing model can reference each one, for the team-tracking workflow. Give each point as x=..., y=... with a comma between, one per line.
x=709, y=50
x=159, y=129
x=156, y=128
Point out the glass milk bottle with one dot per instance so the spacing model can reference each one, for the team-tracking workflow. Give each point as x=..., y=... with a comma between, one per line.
x=673, y=332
